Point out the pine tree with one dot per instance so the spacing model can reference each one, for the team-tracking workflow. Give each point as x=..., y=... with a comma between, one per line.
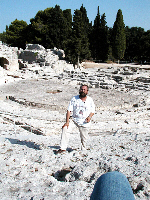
x=51, y=27
x=119, y=37
x=38, y=29
x=3, y=37
x=15, y=33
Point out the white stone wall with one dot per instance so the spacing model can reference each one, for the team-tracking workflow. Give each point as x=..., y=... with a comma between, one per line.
x=9, y=53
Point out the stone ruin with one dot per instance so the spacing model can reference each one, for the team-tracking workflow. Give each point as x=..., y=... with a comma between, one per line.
x=35, y=53
x=50, y=63
x=13, y=59
x=8, y=57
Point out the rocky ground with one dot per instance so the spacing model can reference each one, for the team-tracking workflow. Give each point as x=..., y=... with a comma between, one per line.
x=33, y=104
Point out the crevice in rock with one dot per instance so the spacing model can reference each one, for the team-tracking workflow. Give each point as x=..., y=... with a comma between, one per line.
x=25, y=126
x=4, y=62
x=139, y=187
x=91, y=178
x=60, y=174
x=30, y=129
x=53, y=91
x=33, y=104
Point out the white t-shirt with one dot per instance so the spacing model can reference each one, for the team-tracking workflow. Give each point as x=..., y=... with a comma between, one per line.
x=81, y=109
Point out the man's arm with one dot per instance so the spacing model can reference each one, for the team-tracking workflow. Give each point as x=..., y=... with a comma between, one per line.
x=67, y=119
x=88, y=119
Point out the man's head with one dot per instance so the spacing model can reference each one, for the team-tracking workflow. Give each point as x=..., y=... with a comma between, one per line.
x=83, y=91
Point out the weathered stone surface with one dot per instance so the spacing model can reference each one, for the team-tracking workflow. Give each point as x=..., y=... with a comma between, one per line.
x=8, y=57
x=33, y=103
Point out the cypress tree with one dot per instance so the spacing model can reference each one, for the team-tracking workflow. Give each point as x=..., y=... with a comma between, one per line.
x=104, y=39
x=99, y=38
x=85, y=53
x=119, y=37
x=79, y=44
x=67, y=29
x=85, y=19
x=95, y=38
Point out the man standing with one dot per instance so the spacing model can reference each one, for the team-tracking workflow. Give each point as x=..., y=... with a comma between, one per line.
x=82, y=108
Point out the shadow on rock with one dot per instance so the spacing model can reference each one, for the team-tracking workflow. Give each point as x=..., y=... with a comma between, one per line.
x=28, y=144
x=58, y=147
x=54, y=147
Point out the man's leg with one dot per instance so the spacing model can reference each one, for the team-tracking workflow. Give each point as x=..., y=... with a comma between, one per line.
x=83, y=136
x=112, y=186
x=65, y=137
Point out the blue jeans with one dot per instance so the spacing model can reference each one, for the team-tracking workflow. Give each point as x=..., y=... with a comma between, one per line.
x=112, y=186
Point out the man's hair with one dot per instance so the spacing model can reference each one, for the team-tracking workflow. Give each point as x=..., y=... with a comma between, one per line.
x=85, y=85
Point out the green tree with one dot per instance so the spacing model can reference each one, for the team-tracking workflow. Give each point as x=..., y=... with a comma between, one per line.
x=87, y=25
x=68, y=27
x=95, y=37
x=145, y=47
x=104, y=39
x=85, y=19
x=51, y=27
x=57, y=27
x=3, y=37
x=16, y=34
x=133, y=43
x=37, y=29
x=99, y=38
x=79, y=44
x=110, y=42
x=119, y=37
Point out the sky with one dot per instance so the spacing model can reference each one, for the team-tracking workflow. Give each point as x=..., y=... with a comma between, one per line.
x=136, y=13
